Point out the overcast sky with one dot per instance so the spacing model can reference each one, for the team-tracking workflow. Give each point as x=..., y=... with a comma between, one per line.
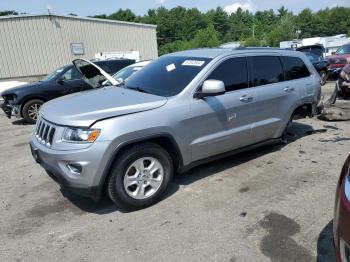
x=92, y=7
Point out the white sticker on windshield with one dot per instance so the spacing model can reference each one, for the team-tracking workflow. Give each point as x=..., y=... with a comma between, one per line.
x=193, y=63
x=170, y=67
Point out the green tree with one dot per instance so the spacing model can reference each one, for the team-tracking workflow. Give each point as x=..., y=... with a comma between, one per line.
x=305, y=22
x=207, y=37
x=219, y=19
x=121, y=15
x=283, y=31
x=251, y=41
x=8, y=12
x=180, y=28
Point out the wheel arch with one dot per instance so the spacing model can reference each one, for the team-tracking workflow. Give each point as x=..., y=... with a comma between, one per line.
x=302, y=111
x=164, y=140
x=27, y=99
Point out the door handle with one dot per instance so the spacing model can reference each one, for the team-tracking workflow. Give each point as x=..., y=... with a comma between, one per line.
x=246, y=98
x=289, y=89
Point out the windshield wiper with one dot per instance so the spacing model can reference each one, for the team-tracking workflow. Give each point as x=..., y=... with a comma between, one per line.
x=138, y=89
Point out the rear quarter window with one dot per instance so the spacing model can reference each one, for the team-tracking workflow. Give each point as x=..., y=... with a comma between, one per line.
x=294, y=67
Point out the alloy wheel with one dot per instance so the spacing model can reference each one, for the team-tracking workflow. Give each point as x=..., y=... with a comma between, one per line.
x=33, y=111
x=143, y=178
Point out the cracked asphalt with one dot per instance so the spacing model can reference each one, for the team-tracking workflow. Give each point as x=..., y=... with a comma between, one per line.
x=271, y=204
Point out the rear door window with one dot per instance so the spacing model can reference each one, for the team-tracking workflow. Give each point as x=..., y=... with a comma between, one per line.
x=233, y=72
x=265, y=70
x=294, y=67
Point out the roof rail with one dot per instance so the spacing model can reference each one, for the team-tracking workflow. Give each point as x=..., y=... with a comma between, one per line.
x=259, y=48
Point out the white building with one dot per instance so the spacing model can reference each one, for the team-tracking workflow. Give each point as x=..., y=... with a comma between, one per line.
x=330, y=43
x=33, y=45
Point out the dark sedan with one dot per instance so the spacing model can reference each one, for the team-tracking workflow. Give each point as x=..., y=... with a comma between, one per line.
x=25, y=101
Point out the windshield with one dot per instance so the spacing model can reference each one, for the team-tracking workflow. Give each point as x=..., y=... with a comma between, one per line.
x=167, y=76
x=312, y=57
x=52, y=75
x=343, y=50
x=126, y=72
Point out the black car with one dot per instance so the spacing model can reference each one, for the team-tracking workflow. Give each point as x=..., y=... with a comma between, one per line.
x=25, y=101
x=315, y=55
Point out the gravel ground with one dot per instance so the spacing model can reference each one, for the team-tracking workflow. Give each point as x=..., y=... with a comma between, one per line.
x=271, y=204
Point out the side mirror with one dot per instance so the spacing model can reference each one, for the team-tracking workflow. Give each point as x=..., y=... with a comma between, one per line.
x=61, y=80
x=211, y=88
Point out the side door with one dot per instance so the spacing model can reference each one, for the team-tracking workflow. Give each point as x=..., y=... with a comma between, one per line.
x=71, y=82
x=224, y=122
x=275, y=96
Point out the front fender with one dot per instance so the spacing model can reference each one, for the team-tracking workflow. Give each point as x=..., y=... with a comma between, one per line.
x=118, y=145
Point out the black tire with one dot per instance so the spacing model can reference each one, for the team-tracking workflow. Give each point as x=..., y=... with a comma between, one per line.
x=324, y=76
x=115, y=187
x=26, y=110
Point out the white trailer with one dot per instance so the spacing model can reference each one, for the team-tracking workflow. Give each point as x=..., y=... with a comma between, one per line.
x=330, y=43
x=134, y=55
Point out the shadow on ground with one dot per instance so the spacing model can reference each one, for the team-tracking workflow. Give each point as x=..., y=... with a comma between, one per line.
x=21, y=122
x=325, y=248
x=295, y=131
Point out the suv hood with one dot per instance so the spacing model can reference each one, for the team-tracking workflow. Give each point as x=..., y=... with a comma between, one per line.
x=85, y=108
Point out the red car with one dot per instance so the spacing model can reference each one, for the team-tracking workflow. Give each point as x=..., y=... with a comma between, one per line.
x=341, y=222
x=340, y=58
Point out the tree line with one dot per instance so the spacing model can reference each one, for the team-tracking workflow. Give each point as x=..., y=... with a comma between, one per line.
x=181, y=28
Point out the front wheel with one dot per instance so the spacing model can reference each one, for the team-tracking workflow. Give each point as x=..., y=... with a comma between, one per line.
x=140, y=176
x=30, y=110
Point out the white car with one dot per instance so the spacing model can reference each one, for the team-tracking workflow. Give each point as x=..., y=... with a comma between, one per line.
x=128, y=71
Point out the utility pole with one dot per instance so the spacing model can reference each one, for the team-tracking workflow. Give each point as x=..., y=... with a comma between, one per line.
x=253, y=30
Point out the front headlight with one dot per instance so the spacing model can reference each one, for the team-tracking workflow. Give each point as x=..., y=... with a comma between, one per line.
x=80, y=135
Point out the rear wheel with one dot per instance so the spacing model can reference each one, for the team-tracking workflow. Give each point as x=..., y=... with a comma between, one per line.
x=30, y=110
x=323, y=75
x=140, y=176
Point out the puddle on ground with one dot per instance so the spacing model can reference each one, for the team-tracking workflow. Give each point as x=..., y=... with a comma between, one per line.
x=278, y=244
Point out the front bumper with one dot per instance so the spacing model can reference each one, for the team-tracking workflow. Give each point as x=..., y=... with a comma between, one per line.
x=86, y=183
x=10, y=110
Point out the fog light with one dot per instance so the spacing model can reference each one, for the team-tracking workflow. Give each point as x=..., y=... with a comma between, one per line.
x=75, y=168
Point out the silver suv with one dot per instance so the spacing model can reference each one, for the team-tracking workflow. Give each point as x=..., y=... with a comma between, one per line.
x=181, y=110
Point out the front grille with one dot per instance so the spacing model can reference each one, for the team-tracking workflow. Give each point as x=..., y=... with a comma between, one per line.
x=45, y=132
